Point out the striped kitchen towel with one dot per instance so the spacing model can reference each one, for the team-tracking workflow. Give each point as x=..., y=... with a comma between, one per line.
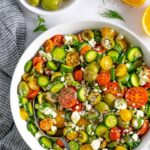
x=12, y=39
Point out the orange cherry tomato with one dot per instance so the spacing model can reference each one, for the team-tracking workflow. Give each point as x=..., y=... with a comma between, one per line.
x=48, y=45
x=46, y=124
x=33, y=93
x=144, y=128
x=78, y=75
x=113, y=88
x=78, y=107
x=58, y=40
x=115, y=134
x=60, y=143
x=136, y=97
x=103, y=78
x=67, y=97
x=37, y=60
x=84, y=49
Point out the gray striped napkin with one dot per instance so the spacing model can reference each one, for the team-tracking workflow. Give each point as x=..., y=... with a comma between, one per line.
x=12, y=38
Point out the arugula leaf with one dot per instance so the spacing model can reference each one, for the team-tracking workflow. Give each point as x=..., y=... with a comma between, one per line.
x=41, y=25
x=112, y=14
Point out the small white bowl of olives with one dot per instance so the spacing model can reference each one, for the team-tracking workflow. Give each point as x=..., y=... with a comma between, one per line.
x=47, y=7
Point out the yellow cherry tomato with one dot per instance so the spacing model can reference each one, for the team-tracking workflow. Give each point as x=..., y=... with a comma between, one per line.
x=72, y=135
x=60, y=119
x=24, y=115
x=120, y=148
x=121, y=70
x=86, y=147
x=125, y=115
x=106, y=63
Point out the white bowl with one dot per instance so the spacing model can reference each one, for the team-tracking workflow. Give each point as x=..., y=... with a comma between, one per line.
x=38, y=10
x=66, y=28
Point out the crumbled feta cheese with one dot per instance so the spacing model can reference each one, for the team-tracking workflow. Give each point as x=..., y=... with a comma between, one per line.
x=48, y=56
x=92, y=43
x=135, y=123
x=140, y=113
x=62, y=79
x=38, y=135
x=54, y=128
x=81, y=58
x=96, y=144
x=88, y=107
x=105, y=149
x=135, y=137
x=68, y=39
x=77, y=128
x=75, y=117
x=49, y=111
x=144, y=77
x=119, y=104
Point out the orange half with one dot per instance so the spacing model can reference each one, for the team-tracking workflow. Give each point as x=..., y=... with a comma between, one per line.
x=135, y=3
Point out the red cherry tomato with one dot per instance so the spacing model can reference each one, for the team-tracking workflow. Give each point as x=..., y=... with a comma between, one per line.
x=36, y=60
x=115, y=134
x=103, y=78
x=78, y=75
x=33, y=93
x=99, y=49
x=136, y=97
x=78, y=107
x=144, y=128
x=58, y=40
x=147, y=85
x=60, y=143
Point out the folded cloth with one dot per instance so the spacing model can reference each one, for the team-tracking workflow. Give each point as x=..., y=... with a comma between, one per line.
x=12, y=39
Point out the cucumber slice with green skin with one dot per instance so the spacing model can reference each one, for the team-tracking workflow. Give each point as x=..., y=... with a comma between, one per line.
x=51, y=65
x=102, y=107
x=23, y=101
x=28, y=66
x=110, y=120
x=134, y=80
x=66, y=68
x=124, y=79
x=32, y=128
x=114, y=55
x=81, y=94
x=56, y=87
x=118, y=47
x=43, y=81
x=90, y=56
x=147, y=110
x=112, y=74
x=74, y=145
x=101, y=130
x=122, y=59
x=59, y=54
x=40, y=115
x=130, y=67
x=134, y=53
x=45, y=142
x=83, y=137
x=29, y=108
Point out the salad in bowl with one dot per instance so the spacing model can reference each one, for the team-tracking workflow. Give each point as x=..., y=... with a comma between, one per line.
x=93, y=88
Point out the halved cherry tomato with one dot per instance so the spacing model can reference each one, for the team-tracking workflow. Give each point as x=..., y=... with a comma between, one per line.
x=147, y=85
x=78, y=75
x=39, y=67
x=84, y=49
x=78, y=107
x=37, y=60
x=136, y=97
x=60, y=143
x=99, y=49
x=113, y=88
x=115, y=134
x=58, y=40
x=33, y=93
x=46, y=124
x=48, y=45
x=144, y=128
x=67, y=97
x=103, y=78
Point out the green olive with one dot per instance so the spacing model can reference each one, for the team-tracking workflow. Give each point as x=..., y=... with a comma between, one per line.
x=107, y=43
x=83, y=137
x=102, y=107
x=23, y=89
x=109, y=100
x=94, y=97
x=50, y=4
x=87, y=35
x=34, y=2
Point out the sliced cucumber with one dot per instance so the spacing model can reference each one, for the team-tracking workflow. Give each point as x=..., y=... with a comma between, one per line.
x=114, y=55
x=101, y=130
x=59, y=54
x=81, y=94
x=130, y=66
x=112, y=74
x=32, y=128
x=74, y=145
x=23, y=101
x=56, y=87
x=122, y=59
x=43, y=81
x=90, y=55
x=134, y=79
x=29, y=108
x=51, y=65
x=45, y=142
x=66, y=68
x=110, y=120
x=40, y=115
x=102, y=107
x=124, y=79
x=134, y=53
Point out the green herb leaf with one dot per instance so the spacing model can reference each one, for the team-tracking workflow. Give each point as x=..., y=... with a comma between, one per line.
x=41, y=26
x=112, y=14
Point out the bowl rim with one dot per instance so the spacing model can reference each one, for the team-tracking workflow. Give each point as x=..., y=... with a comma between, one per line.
x=42, y=36
x=46, y=12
